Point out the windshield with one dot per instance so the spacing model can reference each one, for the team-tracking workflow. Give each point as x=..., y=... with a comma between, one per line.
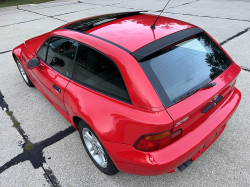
x=178, y=71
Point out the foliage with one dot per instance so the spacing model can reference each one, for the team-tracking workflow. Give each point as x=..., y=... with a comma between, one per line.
x=6, y=3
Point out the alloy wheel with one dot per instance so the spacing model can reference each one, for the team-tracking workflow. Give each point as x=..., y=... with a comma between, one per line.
x=23, y=73
x=94, y=147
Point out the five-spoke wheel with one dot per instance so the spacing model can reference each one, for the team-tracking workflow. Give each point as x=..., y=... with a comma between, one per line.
x=23, y=73
x=95, y=149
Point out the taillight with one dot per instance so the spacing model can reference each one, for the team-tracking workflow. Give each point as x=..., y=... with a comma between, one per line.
x=152, y=142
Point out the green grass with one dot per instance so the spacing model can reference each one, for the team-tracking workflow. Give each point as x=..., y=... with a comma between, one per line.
x=16, y=124
x=10, y=113
x=29, y=146
x=13, y=119
x=6, y=3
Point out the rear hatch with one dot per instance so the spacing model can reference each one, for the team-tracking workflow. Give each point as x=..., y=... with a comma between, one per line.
x=179, y=73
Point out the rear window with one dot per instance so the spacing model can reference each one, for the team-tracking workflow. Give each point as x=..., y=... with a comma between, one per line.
x=180, y=70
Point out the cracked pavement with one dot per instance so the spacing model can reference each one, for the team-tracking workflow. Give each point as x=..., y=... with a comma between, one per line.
x=58, y=157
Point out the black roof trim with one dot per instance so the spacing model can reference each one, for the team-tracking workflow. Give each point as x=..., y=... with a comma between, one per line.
x=89, y=23
x=101, y=39
x=110, y=42
x=163, y=42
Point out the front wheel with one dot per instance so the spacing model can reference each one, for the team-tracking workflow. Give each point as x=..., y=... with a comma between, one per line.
x=24, y=74
x=95, y=150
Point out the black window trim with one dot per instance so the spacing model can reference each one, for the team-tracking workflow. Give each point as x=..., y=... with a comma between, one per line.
x=115, y=44
x=75, y=68
x=90, y=87
x=159, y=88
x=164, y=42
x=49, y=39
x=123, y=48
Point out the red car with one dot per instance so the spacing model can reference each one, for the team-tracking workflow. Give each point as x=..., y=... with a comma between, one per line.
x=145, y=100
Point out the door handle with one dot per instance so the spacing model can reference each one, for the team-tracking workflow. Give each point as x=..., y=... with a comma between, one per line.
x=57, y=88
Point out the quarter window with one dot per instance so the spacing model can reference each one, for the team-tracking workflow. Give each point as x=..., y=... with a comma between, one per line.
x=61, y=55
x=99, y=72
x=42, y=51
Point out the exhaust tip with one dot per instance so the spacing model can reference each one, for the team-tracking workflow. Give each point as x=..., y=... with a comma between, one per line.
x=184, y=165
x=187, y=163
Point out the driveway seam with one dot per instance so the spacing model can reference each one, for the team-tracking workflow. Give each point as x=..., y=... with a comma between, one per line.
x=22, y=22
x=245, y=68
x=5, y=52
x=235, y=36
x=52, y=6
x=183, y=4
x=8, y=13
x=42, y=15
x=72, y=12
x=232, y=19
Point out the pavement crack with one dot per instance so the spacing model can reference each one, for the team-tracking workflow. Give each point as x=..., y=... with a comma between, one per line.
x=43, y=15
x=50, y=177
x=184, y=4
x=35, y=155
x=232, y=19
x=22, y=22
x=8, y=13
x=235, y=36
x=3, y=104
x=55, y=5
x=33, y=152
x=99, y=4
x=245, y=68
x=72, y=12
x=5, y=52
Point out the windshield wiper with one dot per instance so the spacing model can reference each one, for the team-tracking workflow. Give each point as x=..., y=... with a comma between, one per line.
x=195, y=90
x=209, y=85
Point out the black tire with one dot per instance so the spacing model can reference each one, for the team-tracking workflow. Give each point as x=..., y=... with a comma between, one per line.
x=25, y=77
x=110, y=168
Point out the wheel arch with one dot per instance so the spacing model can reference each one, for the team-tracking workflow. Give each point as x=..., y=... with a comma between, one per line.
x=76, y=121
x=14, y=56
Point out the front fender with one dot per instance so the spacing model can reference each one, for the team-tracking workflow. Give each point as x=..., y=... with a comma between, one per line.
x=23, y=55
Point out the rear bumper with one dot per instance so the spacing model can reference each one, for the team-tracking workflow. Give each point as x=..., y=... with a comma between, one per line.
x=130, y=160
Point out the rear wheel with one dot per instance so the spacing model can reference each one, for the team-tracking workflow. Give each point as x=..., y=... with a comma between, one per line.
x=95, y=150
x=24, y=74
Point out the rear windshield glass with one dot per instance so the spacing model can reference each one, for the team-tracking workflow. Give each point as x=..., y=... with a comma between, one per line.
x=178, y=71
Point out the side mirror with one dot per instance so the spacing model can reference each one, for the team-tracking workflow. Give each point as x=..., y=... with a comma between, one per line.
x=57, y=62
x=34, y=62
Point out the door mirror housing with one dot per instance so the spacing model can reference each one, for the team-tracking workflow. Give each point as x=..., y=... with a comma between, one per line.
x=57, y=62
x=34, y=62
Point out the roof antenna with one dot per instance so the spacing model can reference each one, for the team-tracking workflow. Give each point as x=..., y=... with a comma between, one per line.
x=153, y=26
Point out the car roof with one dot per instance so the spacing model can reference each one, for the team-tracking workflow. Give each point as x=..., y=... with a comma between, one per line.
x=133, y=31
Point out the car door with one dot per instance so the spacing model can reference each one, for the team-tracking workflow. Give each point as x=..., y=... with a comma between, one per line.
x=56, y=66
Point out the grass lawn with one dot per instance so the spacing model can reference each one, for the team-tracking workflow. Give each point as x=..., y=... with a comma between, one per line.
x=5, y=3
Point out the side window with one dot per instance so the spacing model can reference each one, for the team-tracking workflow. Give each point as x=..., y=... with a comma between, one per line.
x=61, y=55
x=42, y=51
x=99, y=72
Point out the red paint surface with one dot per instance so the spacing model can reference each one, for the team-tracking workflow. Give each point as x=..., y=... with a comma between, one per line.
x=134, y=32
x=117, y=124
